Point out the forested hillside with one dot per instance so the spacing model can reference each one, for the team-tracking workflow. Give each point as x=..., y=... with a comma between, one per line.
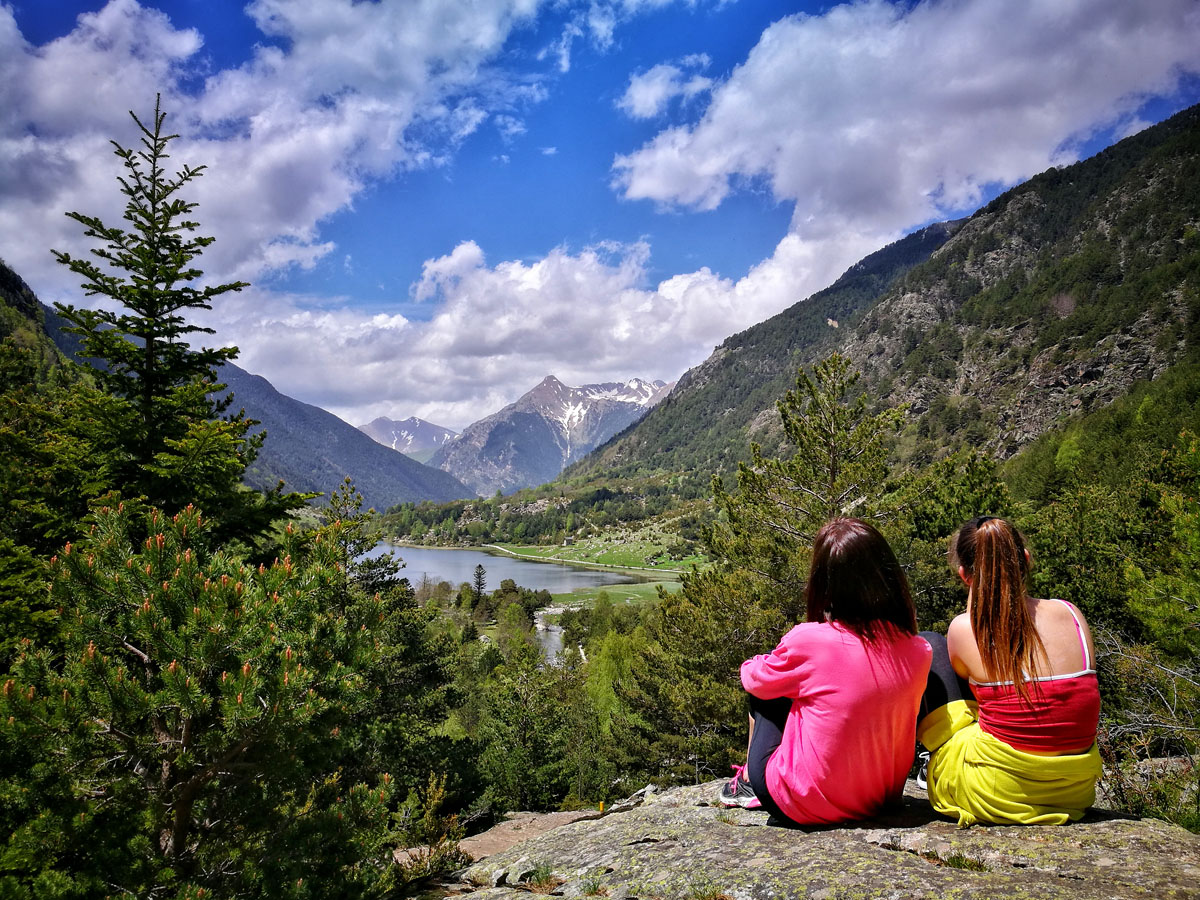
x=1055, y=298
x=311, y=450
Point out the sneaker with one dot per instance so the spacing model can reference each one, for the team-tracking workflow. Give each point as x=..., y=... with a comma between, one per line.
x=737, y=791
x=923, y=770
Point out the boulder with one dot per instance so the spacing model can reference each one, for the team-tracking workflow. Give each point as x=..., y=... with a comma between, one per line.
x=679, y=844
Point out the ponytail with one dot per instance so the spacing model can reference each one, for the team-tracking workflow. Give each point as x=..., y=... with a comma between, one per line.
x=992, y=553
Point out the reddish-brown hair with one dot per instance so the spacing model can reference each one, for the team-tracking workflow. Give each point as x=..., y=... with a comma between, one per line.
x=992, y=553
x=855, y=580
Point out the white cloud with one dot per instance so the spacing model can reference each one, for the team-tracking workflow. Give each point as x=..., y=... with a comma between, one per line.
x=650, y=92
x=561, y=49
x=363, y=90
x=882, y=116
x=603, y=16
x=508, y=126
x=549, y=151
x=497, y=330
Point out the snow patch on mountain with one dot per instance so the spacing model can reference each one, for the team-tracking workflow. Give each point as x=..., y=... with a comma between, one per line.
x=412, y=436
x=530, y=441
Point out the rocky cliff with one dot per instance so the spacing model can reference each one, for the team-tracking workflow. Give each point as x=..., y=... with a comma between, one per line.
x=678, y=844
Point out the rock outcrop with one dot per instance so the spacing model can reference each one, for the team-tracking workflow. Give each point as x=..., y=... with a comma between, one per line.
x=679, y=844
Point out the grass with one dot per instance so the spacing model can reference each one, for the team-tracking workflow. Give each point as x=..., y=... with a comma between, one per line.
x=617, y=593
x=958, y=861
x=642, y=547
x=594, y=887
x=703, y=889
x=542, y=880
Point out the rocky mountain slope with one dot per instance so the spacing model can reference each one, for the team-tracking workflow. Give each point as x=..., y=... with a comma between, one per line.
x=413, y=437
x=677, y=844
x=529, y=441
x=1053, y=299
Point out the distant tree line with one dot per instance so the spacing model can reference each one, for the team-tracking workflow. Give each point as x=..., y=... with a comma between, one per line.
x=564, y=511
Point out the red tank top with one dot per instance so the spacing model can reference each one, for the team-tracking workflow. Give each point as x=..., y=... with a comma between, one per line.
x=1061, y=714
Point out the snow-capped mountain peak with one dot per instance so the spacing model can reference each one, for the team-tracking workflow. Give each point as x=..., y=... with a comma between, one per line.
x=531, y=440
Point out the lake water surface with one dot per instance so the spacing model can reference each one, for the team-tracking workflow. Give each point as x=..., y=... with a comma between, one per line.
x=457, y=566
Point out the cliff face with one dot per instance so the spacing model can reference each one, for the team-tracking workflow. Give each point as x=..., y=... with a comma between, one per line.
x=677, y=844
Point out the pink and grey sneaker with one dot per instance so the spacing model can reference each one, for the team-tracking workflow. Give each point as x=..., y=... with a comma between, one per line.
x=737, y=791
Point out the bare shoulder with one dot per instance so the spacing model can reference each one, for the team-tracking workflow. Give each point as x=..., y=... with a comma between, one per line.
x=1056, y=626
x=1079, y=617
x=1067, y=604
x=1058, y=611
x=960, y=644
x=960, y=629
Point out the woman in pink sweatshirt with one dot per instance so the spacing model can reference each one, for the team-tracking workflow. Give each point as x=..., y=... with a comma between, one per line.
x=834, y=706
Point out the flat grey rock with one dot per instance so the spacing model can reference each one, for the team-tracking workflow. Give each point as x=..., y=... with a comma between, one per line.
x=679, y=844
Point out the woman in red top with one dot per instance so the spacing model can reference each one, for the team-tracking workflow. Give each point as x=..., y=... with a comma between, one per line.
x=834, y=706
x=1013, y=704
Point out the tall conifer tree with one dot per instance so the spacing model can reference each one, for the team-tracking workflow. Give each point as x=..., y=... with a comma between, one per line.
x=159, y=420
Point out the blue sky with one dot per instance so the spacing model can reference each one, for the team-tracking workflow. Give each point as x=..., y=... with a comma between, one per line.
x=439, y=202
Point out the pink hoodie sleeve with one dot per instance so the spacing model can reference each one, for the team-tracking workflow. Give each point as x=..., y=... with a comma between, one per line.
x=778, y=673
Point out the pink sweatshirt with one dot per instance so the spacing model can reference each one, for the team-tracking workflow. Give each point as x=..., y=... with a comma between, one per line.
x=849, y=739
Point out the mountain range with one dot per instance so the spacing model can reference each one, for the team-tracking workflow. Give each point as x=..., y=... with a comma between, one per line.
x=1051, y=301
x=529, y=441
x=310, y=449
x=413, y=437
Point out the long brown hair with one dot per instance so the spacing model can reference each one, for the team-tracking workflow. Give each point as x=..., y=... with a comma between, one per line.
x=856, y=581
x=992, y=553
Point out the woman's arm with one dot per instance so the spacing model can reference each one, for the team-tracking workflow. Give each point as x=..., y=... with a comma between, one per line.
x=963, y=650
x=778, y=673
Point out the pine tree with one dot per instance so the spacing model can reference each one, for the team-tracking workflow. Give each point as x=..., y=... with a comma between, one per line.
x=688, y=687
x=159, y=425
x=838, y=467
x=479, y=584
x=193, y=734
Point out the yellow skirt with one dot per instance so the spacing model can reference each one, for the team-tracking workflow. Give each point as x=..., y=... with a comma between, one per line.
x=979, y=778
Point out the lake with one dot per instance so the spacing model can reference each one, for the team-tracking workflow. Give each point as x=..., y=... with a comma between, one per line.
x=457, y=566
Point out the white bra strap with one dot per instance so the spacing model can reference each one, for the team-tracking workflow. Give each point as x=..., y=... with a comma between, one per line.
x=1087, y=660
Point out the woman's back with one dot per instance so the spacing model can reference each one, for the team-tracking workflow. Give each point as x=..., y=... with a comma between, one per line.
x=1060, y=711
x=1065, y=642
x=848, y=741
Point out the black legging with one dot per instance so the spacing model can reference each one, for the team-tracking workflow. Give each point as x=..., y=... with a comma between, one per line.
x=944, y=685
x=770, y=716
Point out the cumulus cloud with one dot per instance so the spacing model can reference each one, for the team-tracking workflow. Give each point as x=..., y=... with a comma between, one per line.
x=650, y=92
x=345, y=93
x=886, y=115
x=497, y=330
